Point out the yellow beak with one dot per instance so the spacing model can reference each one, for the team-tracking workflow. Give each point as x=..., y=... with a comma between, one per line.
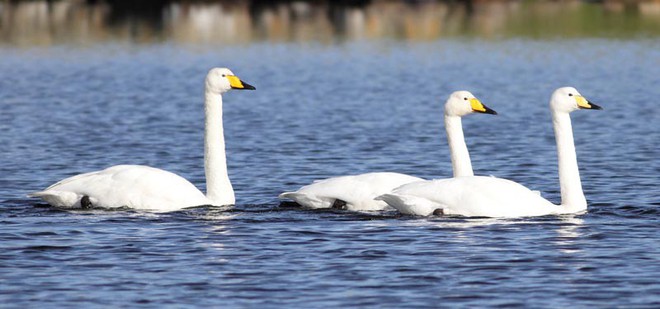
x=237, y=83
x=479, y=107
x=584, y=104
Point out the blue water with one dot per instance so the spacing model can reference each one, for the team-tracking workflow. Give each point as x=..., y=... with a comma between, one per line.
x=318, y=111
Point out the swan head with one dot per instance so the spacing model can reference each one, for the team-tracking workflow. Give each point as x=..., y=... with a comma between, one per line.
x=568, y=99
x=221, y=80
x=461, y=103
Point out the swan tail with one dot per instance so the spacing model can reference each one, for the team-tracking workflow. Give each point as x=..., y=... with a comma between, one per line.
x=410, y=205
x=306, y=200
x=42, y=194
x=58, y=198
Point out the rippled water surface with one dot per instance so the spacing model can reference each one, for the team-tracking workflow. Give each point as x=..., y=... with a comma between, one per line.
x=324, y=110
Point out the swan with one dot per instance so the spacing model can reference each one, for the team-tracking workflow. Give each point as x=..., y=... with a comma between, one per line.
x=357, y=192
x=481, y=196
x=148, y=188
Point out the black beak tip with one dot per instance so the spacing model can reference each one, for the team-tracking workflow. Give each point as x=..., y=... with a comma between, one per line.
x=490, y=111
x=247, y=86
x=594, y=106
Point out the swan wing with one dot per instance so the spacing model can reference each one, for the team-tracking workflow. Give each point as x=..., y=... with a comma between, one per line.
x=473, y=196
x=410, y=204
x=357, y=191
x=133, y=186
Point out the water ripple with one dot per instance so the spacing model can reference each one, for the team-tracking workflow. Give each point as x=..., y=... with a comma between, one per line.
x=355, y=112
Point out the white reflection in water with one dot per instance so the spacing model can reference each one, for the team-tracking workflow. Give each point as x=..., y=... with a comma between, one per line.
x=569, y=232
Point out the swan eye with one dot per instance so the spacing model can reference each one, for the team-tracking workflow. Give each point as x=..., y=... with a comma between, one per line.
x=465, y=99
x=570, y=94
x=223, y=75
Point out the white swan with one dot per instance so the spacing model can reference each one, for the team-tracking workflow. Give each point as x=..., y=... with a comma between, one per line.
x=144, y=187
x=357, y=192
x=481, y=196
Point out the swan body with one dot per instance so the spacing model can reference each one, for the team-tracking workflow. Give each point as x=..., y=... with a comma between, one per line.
x=148, y=188
x=480, y=196
x=358, y=192
x=133, y=186
x=492, y=200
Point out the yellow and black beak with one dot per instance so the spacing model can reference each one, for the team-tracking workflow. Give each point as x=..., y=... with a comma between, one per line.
x=479, y=107
x=584, y=104
x=237, y=83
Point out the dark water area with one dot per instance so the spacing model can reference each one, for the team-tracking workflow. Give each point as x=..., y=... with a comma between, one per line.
x=324, y=109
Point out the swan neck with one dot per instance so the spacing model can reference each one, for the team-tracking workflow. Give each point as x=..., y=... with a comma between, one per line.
x=218, y=186
x=460, y=157
x=572, y=197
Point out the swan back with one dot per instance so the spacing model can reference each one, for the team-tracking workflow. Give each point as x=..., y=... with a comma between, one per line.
x=358, y=191
x=134, y=186
x=471, y=196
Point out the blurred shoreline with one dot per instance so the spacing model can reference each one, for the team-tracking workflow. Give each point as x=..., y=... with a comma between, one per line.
x=83, y=22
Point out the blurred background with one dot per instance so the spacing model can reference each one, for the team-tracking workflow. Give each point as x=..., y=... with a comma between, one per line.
x=343, y=87
x=27, y=23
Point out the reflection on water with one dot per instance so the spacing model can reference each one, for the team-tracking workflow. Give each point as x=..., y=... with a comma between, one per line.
x=568, y=234
x=28, y=23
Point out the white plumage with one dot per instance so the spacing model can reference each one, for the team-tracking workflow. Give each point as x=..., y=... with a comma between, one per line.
x=358, y=192
x=491, y=197
x=133, y=186
x=495, y=197
x=143, y=187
